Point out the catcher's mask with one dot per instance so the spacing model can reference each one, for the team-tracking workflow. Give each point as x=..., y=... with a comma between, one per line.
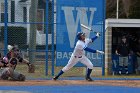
x=79, y=34
x=10, y=47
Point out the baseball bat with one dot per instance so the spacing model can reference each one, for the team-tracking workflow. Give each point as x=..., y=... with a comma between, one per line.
x=88, y=28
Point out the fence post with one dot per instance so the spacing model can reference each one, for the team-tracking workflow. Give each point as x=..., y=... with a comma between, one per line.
x=50, y=29
x=5, y=26
x=47, y=14
x=103, y=64
x=53, y=51
x=32, y=43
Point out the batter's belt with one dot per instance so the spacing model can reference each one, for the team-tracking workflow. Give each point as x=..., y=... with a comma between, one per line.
x=78, y=56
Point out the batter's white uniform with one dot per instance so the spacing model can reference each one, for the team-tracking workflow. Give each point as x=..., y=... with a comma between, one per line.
x=78, y=55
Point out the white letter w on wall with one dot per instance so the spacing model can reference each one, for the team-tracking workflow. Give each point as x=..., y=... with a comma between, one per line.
x=72, y=21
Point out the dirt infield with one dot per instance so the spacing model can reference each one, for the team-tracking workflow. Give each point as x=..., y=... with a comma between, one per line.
x=128, y=83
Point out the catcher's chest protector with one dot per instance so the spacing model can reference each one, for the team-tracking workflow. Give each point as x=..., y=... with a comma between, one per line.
x=13, y=61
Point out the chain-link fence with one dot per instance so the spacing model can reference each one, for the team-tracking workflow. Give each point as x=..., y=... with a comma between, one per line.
x=27, y=24
x=31, y=26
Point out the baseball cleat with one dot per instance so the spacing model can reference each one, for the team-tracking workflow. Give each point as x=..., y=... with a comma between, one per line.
x=88, y=79
x=54, y=78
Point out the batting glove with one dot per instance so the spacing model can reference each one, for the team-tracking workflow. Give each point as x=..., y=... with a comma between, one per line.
x=97, y=34
x=101, y=52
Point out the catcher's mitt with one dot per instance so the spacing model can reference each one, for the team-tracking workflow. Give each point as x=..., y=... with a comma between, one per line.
x=31, y=68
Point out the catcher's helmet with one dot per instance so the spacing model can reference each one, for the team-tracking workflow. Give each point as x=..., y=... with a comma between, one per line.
x=10, y=47
x=79, y=35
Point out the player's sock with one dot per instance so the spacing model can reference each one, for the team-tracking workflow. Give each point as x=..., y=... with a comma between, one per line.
x=88, y=72
x=120, y=69
x=88, y=78
x=126, y=70
x=60, y=73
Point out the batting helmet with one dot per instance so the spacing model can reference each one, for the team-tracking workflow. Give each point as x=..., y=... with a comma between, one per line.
x=79, y=35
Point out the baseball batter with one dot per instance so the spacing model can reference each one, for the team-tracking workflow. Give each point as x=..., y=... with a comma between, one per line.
x=79, y=55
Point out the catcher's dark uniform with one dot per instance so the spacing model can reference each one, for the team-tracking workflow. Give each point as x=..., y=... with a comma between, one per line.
x=18, y=55
x=9, y=73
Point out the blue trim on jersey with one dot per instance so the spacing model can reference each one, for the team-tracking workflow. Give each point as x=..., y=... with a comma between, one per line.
x=85, y=47
x=90, y=50
x=93, y=38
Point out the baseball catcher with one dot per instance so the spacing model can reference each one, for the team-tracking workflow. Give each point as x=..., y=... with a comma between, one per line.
x=14, y=50
x=8, y=73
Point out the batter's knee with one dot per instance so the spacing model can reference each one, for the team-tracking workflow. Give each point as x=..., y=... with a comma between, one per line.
x=65, y=69
x=90, y=66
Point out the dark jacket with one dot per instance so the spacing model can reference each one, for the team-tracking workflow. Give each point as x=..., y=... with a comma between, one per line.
x=123, y=49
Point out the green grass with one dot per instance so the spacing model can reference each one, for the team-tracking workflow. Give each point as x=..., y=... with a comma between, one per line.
x=74, y=72
x=39, y=71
